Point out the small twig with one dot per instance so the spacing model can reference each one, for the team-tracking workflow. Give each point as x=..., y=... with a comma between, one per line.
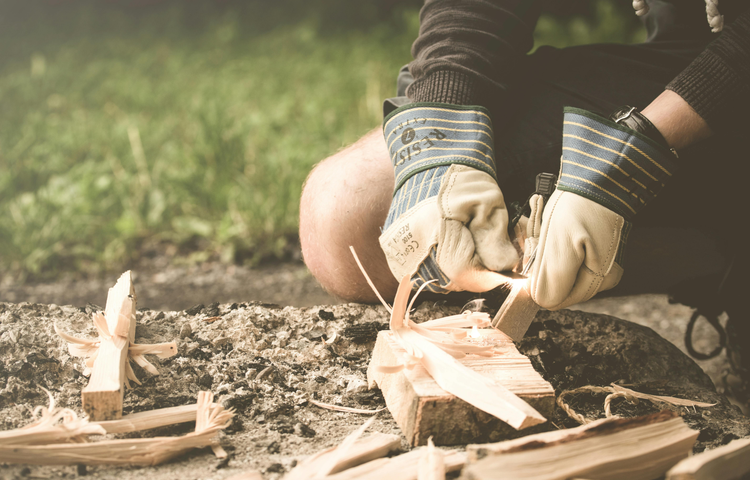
x=339, y=408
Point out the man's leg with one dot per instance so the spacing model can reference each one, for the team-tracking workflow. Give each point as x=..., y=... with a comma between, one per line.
x=344, y=202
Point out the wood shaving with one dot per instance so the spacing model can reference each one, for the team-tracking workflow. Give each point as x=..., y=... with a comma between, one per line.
x=340, y=408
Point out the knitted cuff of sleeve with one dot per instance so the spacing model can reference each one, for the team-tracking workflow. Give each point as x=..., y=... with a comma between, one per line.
x=446, y=86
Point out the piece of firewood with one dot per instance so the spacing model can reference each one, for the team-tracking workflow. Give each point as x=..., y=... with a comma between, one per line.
x=108, y=356
x=641, y=448
x=475, y=388
x=401, y=467
x=363, y=450
x=437, y=352
x=728, y=462
x=102, y=397
x=151, y=419
x=517, y=312
x=210, y=419
x=422, y=408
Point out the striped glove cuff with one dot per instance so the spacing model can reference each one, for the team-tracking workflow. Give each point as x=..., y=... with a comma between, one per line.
x=610, y=164
x=422, y=136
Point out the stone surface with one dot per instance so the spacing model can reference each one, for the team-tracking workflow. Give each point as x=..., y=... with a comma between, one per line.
x=573, y=349
x=240, y=355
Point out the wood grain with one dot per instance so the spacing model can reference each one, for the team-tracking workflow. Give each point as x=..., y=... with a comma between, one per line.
x=102, y=397
x=517, y=312
x=423, y=409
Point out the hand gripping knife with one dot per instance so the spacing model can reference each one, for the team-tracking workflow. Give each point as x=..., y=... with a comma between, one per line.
x=518, y=309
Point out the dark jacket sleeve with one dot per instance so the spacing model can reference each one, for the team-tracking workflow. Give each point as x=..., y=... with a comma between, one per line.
x=717, y=83
x=467, y=50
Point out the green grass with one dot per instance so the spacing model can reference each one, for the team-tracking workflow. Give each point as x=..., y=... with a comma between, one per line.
x=120, y=134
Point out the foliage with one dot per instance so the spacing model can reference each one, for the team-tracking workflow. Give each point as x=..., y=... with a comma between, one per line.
x=181, y=126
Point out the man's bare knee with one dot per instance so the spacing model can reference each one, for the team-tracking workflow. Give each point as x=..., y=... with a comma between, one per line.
x=344, y=202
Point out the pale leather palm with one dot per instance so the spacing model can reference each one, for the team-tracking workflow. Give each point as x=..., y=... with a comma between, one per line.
x=575, y=257
x=467, y=222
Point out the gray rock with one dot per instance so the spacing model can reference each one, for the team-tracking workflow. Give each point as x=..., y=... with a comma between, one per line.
x=185, y=330
x=573, y=349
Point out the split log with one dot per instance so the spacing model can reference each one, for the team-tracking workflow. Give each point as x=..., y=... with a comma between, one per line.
x=423, y=409
x=102, y=397
x=402, y=467
x=641, y=448
x=516, y=312
x=728, y=462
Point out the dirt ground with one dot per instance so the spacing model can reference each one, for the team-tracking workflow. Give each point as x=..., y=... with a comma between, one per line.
x=267, y=361
x=168, y=288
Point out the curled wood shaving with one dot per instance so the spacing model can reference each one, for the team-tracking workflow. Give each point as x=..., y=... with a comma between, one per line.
x=339, y=408
x=369, y=282
x=88, y=349
x=51, y=425
x=210, y=419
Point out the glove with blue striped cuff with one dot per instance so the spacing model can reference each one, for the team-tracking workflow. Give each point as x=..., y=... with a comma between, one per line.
x=448, y=221
x=608, y=173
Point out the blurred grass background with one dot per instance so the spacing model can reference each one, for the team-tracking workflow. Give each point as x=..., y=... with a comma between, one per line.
x=186, y=128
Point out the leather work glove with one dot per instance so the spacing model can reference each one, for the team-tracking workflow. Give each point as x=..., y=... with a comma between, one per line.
x=608, y=173
x=447, y=219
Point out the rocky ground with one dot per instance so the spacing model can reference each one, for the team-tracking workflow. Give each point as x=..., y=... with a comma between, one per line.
x=268, y=361
x=166, y=287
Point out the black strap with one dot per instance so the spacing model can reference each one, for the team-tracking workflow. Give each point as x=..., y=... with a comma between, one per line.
x=714, y=322
x=545, y=186
x=633, y=119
